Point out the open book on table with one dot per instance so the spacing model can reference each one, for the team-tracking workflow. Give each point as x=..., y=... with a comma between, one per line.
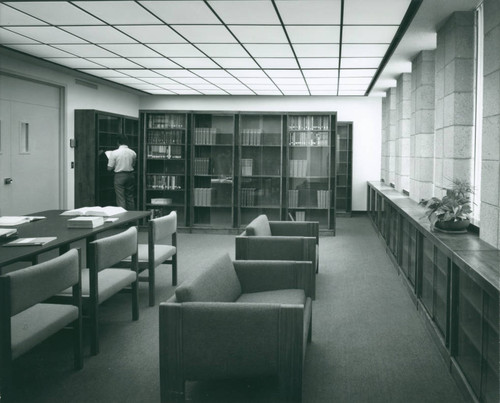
x=31, y=241
x=96, y=211
x=8, y=221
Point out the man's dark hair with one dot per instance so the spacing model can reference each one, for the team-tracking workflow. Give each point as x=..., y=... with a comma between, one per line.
x=122, y=139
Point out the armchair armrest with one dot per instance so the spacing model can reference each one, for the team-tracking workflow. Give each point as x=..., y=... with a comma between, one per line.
x=295, y=228
x=275, y=248
x=259, y=275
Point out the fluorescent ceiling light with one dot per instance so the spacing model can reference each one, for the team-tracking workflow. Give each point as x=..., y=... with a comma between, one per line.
x=182, y=12
x=119, y=12
x=246, y=12
x=259, y=33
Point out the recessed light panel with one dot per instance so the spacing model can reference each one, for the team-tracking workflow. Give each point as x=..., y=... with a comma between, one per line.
x=314, y=33
x=99, y=34
x=316, y=50
x=370, y=12
x=194, y=62
x=154, y=62
x=182, y=12
x=222, y=50
x=364, y=50
x=176, y=50
x=205, y=33
x=319, y=63
x=48, y=35
x=131, y=50
x=74, y=62
x=269, y=50
x=119, y=12
x=236, y=62
x=152, y=33
x=246, y=12
x=259, y=33
x=369, y=33
x=309, y=12
x=277, y=63
x=10, y=16
x=57, y=13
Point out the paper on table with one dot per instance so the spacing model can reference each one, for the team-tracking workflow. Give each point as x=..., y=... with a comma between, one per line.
x=96, y=211
x=31, y=241
x=16, y=220
x=7, y=232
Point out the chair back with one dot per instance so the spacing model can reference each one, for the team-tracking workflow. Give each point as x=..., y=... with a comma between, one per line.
x=164, y=227
x=36, y=283
x=108, y=251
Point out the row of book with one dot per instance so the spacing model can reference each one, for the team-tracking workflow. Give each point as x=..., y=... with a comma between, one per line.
x=201, y=166
x=163, y=182
x=166, y=137
x=302, y=122
x=166, y=121
x=300, y=216
x=203, y=196
x=162, y=152
x=205, y=135
x=250, y=137
x=323, y=198
x=247, y=197
x=293, y=198
x=298, y=168
x=246, y=166
x=314, y=139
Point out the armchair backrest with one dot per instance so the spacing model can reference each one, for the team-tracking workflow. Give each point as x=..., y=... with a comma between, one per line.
x=108, y=251
x=164, y=227
x=36, y=283
x=259, y=227
x=217, y=283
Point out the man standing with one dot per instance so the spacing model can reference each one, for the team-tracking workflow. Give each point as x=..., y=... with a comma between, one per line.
x=122, y=162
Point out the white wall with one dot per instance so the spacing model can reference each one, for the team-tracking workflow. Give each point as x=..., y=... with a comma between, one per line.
x=364, y=112
x=106, y=97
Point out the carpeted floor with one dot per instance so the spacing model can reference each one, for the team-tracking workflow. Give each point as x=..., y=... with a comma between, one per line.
x=369, y=344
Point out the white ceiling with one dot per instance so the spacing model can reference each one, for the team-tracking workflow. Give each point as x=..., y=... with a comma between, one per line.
x=222, y=47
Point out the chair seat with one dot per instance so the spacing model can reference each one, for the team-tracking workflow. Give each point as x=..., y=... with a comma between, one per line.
x=162, y=253
x=35, y=324
x=110, y=282
x=292, y=296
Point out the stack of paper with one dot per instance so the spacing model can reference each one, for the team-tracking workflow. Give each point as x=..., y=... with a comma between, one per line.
x=85, y=222
x=7, y=232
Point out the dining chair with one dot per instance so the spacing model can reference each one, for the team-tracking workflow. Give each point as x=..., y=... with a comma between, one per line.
x=161, y=248
x=27, y=319
x=100, y=280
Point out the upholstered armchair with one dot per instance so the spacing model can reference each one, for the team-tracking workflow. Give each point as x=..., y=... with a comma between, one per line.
x=280, y=240
x=237, y=319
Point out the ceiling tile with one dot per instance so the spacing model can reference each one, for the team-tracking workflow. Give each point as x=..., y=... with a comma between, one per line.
x=320, y=73
x=142, y=73
x=357, y=72
x=160, y=92
x=194, y=62
x=288, y=81
x=158, y=80
x=49, y=35
x=174, y=72
x=322, y=80
x=129, y=12
x=99, y=35
x=247, y=73
x=284, y=73
x=324, y=92
x=236, y=62
x=9, y=16
x=234, y=87
x=57, y=13
x=353, y=87
x=356, y=62
x=213, y=73
x=364, y=50
x=371, y=12
x=277, y=63
x=41, y=50
x=259, y=33
x=368, y=34
x=173, y=87
x=105, y=73
x=293, y=87
x=131, y=50
x=314, y=33
x=351, y=92
x=74, y=62
x=256, y=80
x=222, y=50
x=294, y=92
x=355, y=80
x=113, y=62
x=154, y=62
x=269, y=92
x=144, y=86
x=205, y=33
x=177, y=50
x=319, y=63
x=85, y=50
x=262, y=87
x=245, y=12
x=223, y=80
x=326, y=87
x=309, y=12
x=192, y=80
x=151, y=33
x=269, y=50
x=214, y=92
x=182, y=12
x=8, y=37
x=126, y=80
x=316, y=50
x=187, y=92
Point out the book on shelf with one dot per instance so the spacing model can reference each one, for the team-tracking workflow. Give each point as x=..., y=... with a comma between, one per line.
x=7, y=232
x=323, y=198
x=96, y=211
x=293, y=198
x=85, y=222
x=31, y=241
x=8, y=221
x=300, y=216
x=246, y=166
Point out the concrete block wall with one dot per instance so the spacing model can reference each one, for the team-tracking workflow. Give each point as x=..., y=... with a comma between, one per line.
x=454, y=101
x=384, y=173
x=490, y=168
x=422, y=126
x=403, y=131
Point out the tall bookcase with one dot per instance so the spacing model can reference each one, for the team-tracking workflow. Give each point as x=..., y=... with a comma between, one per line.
x=310, y=168
x=260, y=152
x=165, y=164
x=212, y=170
x=343, y=194
x=97, y=132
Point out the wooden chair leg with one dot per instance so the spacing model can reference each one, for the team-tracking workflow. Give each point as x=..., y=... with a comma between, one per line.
x=78, y=343
x=174, y=269
x=151, y=282
x=135, y=299
x=94, y=329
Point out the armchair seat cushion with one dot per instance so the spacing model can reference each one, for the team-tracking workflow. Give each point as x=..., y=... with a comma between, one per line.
x=291, y=297
x=37, y=323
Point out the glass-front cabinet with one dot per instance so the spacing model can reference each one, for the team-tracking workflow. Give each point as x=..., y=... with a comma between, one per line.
x=165, y=164
x=260, y=166
x=212, y=170
x=310, y=168
x=343, y=203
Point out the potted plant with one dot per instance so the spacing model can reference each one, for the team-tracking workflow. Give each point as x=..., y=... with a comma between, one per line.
x=451, y=212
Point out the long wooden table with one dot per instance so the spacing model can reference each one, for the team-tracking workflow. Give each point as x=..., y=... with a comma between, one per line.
x=55, y=225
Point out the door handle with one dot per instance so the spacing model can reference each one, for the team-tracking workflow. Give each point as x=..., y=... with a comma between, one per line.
x=7, y=181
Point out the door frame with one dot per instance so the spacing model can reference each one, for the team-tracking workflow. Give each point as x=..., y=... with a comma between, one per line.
x=62, y=155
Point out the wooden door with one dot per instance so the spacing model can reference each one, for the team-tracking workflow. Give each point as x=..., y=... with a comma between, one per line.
x=30, y=151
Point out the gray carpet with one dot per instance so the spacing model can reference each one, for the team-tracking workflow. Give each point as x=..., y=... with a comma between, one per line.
x=369, y=344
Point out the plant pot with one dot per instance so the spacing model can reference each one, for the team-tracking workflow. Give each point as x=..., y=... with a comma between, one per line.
x=452, y=226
